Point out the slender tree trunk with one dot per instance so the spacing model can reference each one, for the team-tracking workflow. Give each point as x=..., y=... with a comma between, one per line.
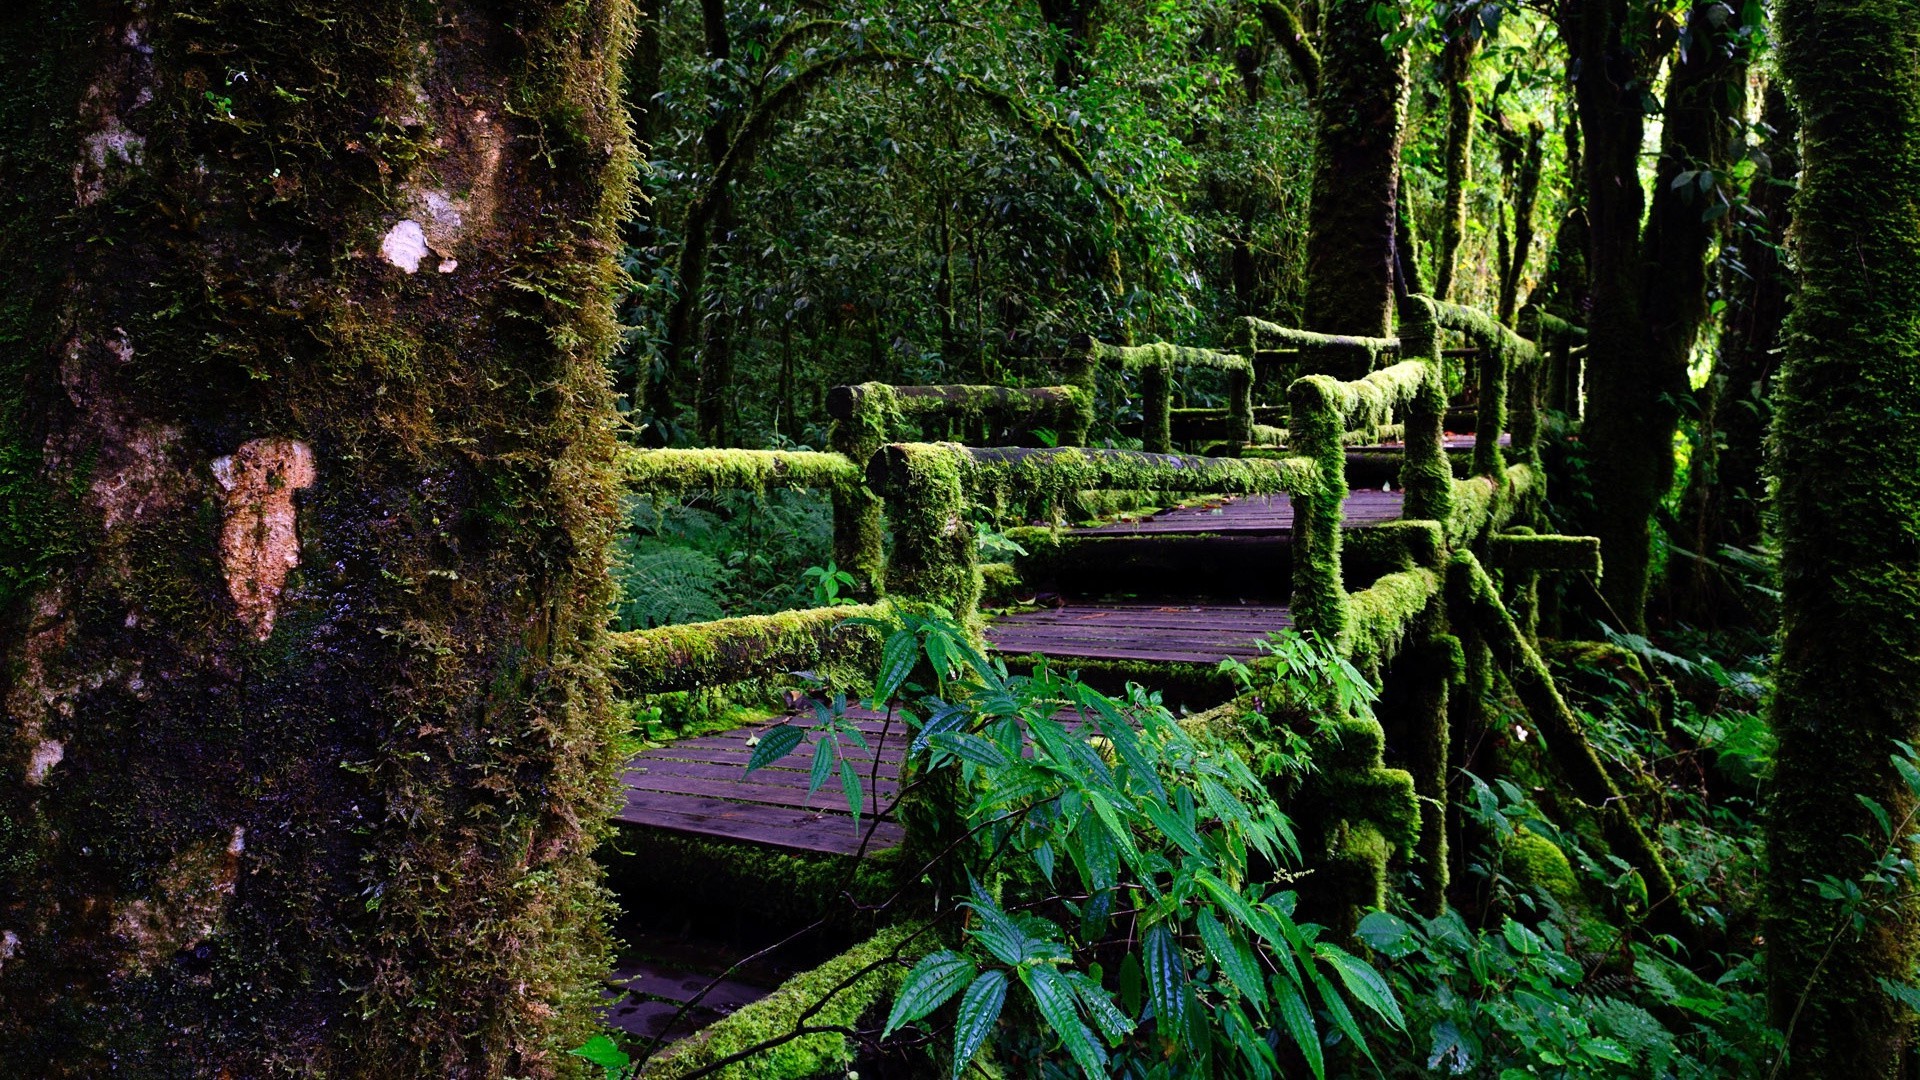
x=1456, y=62
x=1848, y=502
x=1649, y=291
x=1726, y=481
x=1072, y=22
x=710, y=214
x=305, y=518
x=1526, y=194
x=1356, y=174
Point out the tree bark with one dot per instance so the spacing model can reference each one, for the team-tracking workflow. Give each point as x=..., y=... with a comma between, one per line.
x=1649, y=290
x=1456, y=63
x=1726, y=481
x=1847, y=501
x=305, y=513
x=1356, y=173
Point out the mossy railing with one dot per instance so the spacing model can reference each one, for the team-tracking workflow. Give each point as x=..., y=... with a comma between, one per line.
x=1508, y=363
x=1561, y=378
x=870, y=415
x=1155, y=364
x=1271, y=347
x=929, y=488
x=732, y=650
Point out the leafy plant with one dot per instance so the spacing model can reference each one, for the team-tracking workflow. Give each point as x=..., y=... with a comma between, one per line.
x=1144, y=920
x=827, y=582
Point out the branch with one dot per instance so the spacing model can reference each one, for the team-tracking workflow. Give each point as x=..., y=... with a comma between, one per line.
x=1284, y=24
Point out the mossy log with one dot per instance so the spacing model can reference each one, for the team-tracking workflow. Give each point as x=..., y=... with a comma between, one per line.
x=1155, y=363
x=752, y=646
x=308, y=495
x=1534, y=553
x=687, y=472
x=806, y=1019
x=1473, y=596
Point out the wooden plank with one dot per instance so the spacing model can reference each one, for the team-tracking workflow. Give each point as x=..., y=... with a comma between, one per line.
x=824, y=832
x=791, y=795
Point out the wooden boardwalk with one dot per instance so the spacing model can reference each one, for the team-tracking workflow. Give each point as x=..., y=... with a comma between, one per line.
x=700, y=787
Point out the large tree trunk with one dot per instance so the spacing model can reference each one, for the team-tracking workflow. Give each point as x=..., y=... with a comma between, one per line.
x=1848, y=505
x=1649, y=290
x=1356, y=172
x=305, y=511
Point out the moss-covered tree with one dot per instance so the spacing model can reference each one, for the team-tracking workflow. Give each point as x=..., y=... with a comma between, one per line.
x=306, y=503
x=1648, y=285
x=1359, y=105
x=1848, y=504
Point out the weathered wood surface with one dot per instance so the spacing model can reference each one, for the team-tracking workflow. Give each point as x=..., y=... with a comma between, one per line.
x=1260, y=514
x=1176, y=633
x=701, y=786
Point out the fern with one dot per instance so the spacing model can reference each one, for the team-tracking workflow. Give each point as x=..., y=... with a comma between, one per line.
x=663, y=583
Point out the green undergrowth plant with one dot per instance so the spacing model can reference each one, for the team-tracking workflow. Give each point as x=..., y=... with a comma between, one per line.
x=1112, y=892
x=726, y=553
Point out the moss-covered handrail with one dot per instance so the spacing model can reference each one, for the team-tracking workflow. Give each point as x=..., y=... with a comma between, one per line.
x=1565, y=359
x=688, y=472
x=724, y=651
x=1505, y=358
x=1336, y=354
x=856, y=546
x=1323, y=408
x=1154, y=363
x=869, y=415
x=928, y=487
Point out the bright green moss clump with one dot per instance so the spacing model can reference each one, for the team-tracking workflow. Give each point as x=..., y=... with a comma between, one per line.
x=751, y=646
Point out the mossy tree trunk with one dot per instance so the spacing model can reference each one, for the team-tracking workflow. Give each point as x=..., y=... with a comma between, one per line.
x=1359, y=107
x=1848, y=506
x=1726, y=480
x=1649, y=289
x=306, y=505
x=1456, y=66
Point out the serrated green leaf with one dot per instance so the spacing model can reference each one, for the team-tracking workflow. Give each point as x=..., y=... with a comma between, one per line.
x=775, y=744
x=1057, y=1003
x=1165, y=967
x=897, y=658
x=1387, y=934
x=850, y=780
x=1298, y=1016
x=822, y=764
x=1234, y=958
x=1364, y=983
x=979, y=1011
x=935, y=979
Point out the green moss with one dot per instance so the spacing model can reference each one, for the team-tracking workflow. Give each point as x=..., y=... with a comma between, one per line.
x=1536, y=862
x=835, y=994
x=1511, y=551
x=684, y=472
x=1401, y=545
x=729, y=886
x=751, y=646
x=1383, y=614
x=934, y=558
x=1155, y=363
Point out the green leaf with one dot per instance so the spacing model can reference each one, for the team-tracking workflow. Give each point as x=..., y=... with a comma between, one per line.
x=774, y=745
x=1364, y=983
x=970, y=747
x=850, y=779
x=822, y=764
x=1234, y=958
x=979, y=1011
x=1056, y=1000
x=1387, y=934
x=1298, y=1016
x=604, y=1052
x=1879, y=814
x=934, y=980
x=1175, y=829
x=897, y=658
x=1607, y=1050
x=1166, y=970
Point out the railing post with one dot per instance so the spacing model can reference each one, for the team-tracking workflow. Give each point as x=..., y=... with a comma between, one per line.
x=866, y=417
x=1492, y=420
x=934, y=559
x=1316, y=421
x=1425, y=473
x=1240, y=404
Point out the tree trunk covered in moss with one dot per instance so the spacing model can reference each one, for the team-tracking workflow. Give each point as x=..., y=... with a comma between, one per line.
x=1356, y=173
x=1522, y=154
x=1848, y=502
x=1456, y=65
x=1649, y=289
x=1727, y=484
x=305, y=513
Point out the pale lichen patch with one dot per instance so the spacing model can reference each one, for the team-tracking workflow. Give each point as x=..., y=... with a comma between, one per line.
x=9, y=946
x=107, y=144
x=185, y=905
x=259, y=542
x=46, y=754
x=404, y=245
